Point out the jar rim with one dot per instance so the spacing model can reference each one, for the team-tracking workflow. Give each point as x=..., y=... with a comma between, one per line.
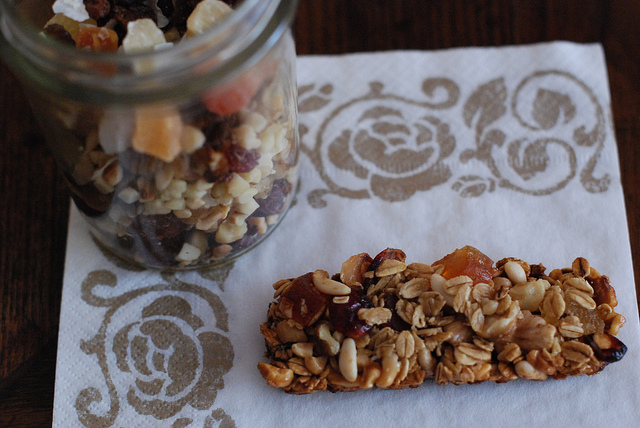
x=106, y=78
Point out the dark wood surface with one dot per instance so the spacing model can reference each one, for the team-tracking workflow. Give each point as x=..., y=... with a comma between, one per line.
x=34, y=201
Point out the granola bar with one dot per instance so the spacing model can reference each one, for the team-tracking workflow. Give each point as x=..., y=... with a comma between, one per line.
x=387, y=324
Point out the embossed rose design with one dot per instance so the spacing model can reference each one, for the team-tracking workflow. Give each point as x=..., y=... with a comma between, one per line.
x=170, y=359
x=397, y=155
x=381, y=144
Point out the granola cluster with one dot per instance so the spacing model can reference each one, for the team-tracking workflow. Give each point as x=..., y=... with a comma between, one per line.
x=383, y=323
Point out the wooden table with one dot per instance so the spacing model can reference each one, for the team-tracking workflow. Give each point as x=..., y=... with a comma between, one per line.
x=34, y=208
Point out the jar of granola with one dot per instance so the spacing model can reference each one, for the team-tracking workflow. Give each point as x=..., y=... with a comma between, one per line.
x=173, y=121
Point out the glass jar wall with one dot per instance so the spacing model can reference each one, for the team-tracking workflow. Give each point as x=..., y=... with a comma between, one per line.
x=179, y=155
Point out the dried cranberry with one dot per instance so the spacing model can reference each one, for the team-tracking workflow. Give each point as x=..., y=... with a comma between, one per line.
x=240, y=159
x=344, y=316
x=58, y=32
x=97, y=9
x=396, y=322
x=275, y=202
x=612, y=354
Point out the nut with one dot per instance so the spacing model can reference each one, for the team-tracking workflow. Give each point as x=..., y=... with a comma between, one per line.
x=348, y=360
x=275, y=376
x=515, y=272
x=328, y=286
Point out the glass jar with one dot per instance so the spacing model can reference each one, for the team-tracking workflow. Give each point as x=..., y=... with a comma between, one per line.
x=180, y=157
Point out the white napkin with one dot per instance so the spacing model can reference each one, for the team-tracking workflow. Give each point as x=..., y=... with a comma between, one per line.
x=511, y=150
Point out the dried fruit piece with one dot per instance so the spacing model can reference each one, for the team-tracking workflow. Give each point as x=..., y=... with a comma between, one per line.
x=467, y=261
x=71, y=25
x=97, y=9
x=344, y=316
x=206, y=15
x=97, y=39
x=158, y=132
x=58, y=32
x=302, y=302
x=142, y=36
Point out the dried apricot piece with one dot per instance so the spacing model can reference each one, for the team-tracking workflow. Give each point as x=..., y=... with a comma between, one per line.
x=467, y=261
x=158, y=132
x=97, y=39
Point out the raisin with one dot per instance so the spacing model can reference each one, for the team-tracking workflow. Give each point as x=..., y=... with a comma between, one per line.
x=275, y=202
x=125, y=11
x=217, y=129
x=240, y=159
x=613, y=353
x=251, y=237
x=161, y=235
x=97, y=9
x=58, y=32
x=344, y=316
x=396, y=322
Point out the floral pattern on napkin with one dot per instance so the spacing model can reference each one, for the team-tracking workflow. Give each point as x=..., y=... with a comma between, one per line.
x=395, y=147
